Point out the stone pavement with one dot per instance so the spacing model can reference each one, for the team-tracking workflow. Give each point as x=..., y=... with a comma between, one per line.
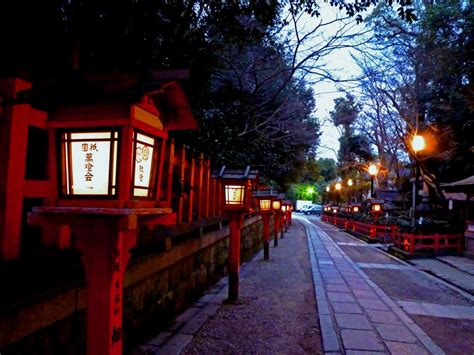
x=355, y=314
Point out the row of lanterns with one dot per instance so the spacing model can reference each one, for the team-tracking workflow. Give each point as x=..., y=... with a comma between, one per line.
x=355, y=208
x=237, y=187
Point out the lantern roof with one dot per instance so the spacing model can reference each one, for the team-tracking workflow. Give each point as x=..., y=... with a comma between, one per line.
x=160, y=88
x=246, y=173
x=264, y=193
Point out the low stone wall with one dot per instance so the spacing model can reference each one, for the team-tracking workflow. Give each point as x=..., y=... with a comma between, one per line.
x=156, y=288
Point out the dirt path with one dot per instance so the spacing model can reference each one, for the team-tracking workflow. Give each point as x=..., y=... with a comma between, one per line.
x=277, y=314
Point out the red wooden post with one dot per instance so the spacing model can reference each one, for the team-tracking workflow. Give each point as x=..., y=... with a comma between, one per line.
x=105, y=256
x=436, y=242
x=276, y=228
x=160, y=172
x=266, y=235
x=125, y=177
x=235, y=223
x=182, y=168
x=169, y=183
x=207, y=179
x=199, y=197
x=412, y=243
x=282, y=224
x=13, y=149
x=191, y=191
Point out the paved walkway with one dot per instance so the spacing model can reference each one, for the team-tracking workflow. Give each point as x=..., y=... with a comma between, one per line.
x=276, y=315
x=354, y=313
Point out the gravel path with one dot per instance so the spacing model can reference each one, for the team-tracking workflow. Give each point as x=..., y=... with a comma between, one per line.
x=277, y=310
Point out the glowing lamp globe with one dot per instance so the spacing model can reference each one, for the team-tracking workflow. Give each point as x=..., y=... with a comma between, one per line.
x=418, y=143
x=373, y=170
x=237, y=187
x=276, y=205
x=355, y=209
x=350, y=182
x=334, y=210
x=338, y=186
x=265, y=205
x=376, y=207
x=328, y=188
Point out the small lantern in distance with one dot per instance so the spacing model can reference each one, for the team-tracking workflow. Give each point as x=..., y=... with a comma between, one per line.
x=376, y=209
x=277, y=208
x=265, y=204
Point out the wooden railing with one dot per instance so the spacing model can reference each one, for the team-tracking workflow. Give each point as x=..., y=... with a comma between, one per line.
x=188, y=187
x=435, y=243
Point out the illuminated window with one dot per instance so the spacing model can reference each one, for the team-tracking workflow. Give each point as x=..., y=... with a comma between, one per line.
x=87, y=167
x=234, y=194
x=276, y=205
x=265, y=205
x=143, y=166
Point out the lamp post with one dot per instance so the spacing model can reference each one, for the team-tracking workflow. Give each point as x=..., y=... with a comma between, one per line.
x=265, y=204
x=236, y=186
x=373, y=171
x=417, y=144
x=338, y=188
x=349, y=190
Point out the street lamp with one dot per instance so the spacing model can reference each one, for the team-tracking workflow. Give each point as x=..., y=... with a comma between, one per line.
x=373, y=171
x=418, y=143
x=349, y=190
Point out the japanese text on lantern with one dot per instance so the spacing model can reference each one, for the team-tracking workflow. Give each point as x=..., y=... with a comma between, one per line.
x=144, y=150
x=90, y=163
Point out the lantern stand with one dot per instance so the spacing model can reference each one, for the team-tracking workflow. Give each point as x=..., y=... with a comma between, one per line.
x=107, y=161
x=376, y=208
x=104, y=236
x=236, y=185
x=265, y=206
x=285, y=217
x=276, y=208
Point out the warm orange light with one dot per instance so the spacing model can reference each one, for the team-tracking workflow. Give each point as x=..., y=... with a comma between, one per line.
x=276, y=205
x=355, y=209
x=234, y=195
x=334, y=210
x=373, y=170
x=283, y=208
x=328, y=188
x=376, y=208
x=144, y=150
x=418, y=143
x=265, y=205
x=338, y=186
x=350, y=182
x=88, y=167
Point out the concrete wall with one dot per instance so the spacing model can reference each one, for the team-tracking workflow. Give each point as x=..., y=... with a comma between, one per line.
x=157, y=287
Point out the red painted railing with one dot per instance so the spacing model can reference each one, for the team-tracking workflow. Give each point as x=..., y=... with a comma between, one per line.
x=412, y=243
x=372, y=231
